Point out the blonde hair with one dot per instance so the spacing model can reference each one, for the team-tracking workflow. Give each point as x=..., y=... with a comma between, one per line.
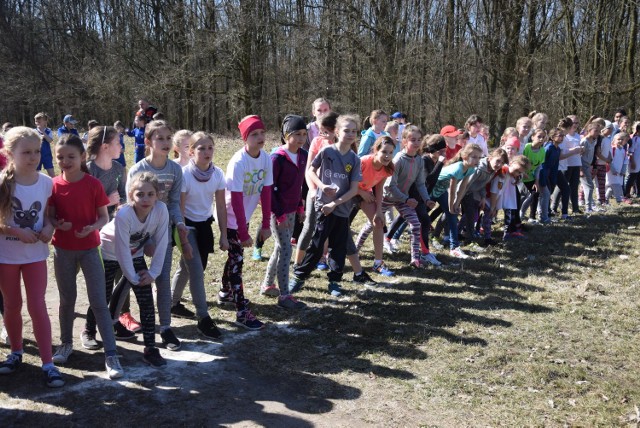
x=509, y=132
x=142, y=178
x=342, y=120
x=521, y=161
x=465, y=152
x=150, y=129
x=7, y=178
x=198, y=137
x=177, y=139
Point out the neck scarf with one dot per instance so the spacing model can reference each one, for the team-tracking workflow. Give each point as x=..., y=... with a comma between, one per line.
x=200, y=175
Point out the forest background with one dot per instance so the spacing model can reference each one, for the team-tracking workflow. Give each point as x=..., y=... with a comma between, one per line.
x=206, y=64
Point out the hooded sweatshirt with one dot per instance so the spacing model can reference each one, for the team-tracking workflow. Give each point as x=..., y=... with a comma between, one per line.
x=481, y=177
x=408, y=170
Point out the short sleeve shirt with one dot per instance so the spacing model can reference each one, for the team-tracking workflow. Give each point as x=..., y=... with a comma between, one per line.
x=338, y=169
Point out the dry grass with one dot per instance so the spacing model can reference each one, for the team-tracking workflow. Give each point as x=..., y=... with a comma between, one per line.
x=537, y=332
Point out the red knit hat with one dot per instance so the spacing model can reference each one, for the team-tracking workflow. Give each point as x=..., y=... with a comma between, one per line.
x=513, y=141
x=249, y=124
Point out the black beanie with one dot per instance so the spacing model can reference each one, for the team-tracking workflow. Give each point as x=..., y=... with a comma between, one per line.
x=437, y=145
x=290, y=124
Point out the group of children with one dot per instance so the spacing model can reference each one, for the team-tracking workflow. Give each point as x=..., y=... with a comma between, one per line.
x=104, y=221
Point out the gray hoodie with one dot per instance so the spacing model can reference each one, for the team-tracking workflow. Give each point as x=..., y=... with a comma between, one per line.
x=408, y=170
x=478, y=181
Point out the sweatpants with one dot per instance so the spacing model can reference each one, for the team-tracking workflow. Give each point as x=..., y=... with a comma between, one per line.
x=530, y=201
x=232, y=275
x=192, y=271
x=572, y=174
x=633, y=179
x=561, y=193
x=601, y=177
x=587, y=185
x=34, y=275
x=66, y=263
x=309, y=222
x=163, y=288
x=281, y=256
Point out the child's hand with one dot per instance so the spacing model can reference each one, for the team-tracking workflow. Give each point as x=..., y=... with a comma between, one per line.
x=223, y=243
x=187, y=250
x=367, y=197
x=430, y=204
x=145, y=278
x=46, y=233
x=330, y=191
x=85, y=231
x=412, y=203
x=378, y=219
x=62, y=225
x=114, y=198
x=183, y=232
x=248, y=243
x=328, y=208
x=27, y=236
x=265, y=234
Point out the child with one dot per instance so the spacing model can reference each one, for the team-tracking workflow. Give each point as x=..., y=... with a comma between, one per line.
x=202, y=183
x=319, y=108
x=46, y=158
x=451, y=134
x=103, y=148
x=633, y=178
x=549, y=172
x=503, y=194
x=158, y=138
x=376, y=168
x=25, y=231
x=138, y=134
x=335, y=172
x=120, y=128
x=181, y=147
x=473, y=125
x=78, y=210
x=289, y=166
x=588, y=144
x=90, y=125
x=523, y=127
x=449, y=195
x=615, y=175
x=249, y=180
x=143, y=219
x=379, y=121
x=68, y=126
x=534, y=151
x=393, y=129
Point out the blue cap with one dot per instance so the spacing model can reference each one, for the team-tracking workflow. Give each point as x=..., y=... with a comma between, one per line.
x=397, y=115
x=69, y=119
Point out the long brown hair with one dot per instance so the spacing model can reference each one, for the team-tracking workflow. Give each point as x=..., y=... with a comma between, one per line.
x=74, y=141
x=377, y=146
x=98, y=136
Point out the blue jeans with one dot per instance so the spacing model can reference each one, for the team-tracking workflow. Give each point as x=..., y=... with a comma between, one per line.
x=452, y=220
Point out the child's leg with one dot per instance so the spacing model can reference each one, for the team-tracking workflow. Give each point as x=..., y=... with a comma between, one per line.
x=425, y=224
x=281, y=256
x=195, y=272
x=565, y=192
x=94, y=276
x=65, y=264
x=232, y=276
x=411, y=217
x=163, y=289
x=307, y=229
x=144, y=296
x=486, y=220
x=10, y=287
x=111, y=270
x=543, y=207
x=587, y=184
x=469, y=208
x=338, y=230
x=601, y=174
x=34, y=276
x=617, y=192
x=179, y=280
x=369, y=208
x=324, y=225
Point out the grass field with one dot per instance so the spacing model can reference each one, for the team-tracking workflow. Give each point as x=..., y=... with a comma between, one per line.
x=540, y=332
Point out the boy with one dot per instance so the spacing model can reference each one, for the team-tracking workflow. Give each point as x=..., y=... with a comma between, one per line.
x=450, y=134
x=68, y=126
x=138, y=134
x=46, y=157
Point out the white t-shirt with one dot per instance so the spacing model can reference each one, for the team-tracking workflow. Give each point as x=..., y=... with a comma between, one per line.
x=634, y=147
x=504, y=186
x=293, y=156
x=617, y=162
x=571, y=142
x=199, y=196
x=562, y=165
x=28, y=207
x=124, y=238
x=479, y=140
x=605, y=149
x=247, y=175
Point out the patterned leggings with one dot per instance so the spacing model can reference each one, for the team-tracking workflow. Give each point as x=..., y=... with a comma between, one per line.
x=281, y=256
x=232, y=275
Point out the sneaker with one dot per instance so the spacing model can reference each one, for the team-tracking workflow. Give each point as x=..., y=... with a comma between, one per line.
x=180, y=311
x=269, y=290
x=436, y=244
x=322, y=264
x=295, y=284
x=53, y=378
x=62, y=353
x=11, y=364
x=532, y=221
x=249, y=321
x=208, y=328
x=382, y=269
x=5, y=336
x=226, y=298
x=294, y=242
x=514, y=235
x=417, y=264
x=130, y=322
x=364, y=279
x=290, y=302
x=335, y=290
x=489, y=241
x=431, y=259
x=89, y=341
x=547, y=221
x=627, y=201
x=152, y=357
x=566, y=217
x=386, y=245
x=395, y=245
x=169, y=340
x=121, y=332
x=257, y=254
x=458, y=253
x=113, y=367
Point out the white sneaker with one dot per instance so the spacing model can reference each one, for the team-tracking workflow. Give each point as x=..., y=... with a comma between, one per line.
x=387, y=247
x=114, y=369
x=395, y=245
x=458, y=253
x=436, y=245
x=431, y=259
x=62, y=353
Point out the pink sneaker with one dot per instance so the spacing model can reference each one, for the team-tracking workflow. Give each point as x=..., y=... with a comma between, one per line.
x=130, y=322
x=269, y=290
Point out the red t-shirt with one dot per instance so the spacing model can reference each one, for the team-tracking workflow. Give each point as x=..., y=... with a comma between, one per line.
x=77, y=203
x=451, y=152
x=371, y=177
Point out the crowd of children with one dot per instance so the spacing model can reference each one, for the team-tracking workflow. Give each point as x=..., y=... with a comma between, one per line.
x=104, y=220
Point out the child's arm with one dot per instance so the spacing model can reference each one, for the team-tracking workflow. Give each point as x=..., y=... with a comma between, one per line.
x=57, y=223
x=221, y=211
x=122, y=232
x=394, y=193
x=494, y=204
x=265, y=203
x=454, y=202
x=364, y=148
x=353, y=190
x=312, y=176
x=47, y=227
x=103, y=218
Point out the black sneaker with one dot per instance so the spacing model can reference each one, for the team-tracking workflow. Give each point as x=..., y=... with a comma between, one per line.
x=488, y=242
x=89, y=341
x=152, y=357
x=121, y=332
x=208, y=328
x=364, y=279
x=53, y=378
x=11, y=364
x=181, y=311
x=169, y=340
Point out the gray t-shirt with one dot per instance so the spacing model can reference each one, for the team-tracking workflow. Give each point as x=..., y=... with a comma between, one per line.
x=112, y=180
x=340, y=170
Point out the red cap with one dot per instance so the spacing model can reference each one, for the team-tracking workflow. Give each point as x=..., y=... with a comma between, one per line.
x=513, y=141
x=248, y=124
x=450, y=131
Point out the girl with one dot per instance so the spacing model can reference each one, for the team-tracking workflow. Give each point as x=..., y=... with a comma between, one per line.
x=615, y=176
x=157, y=137
x=523, y=126
x=633, y=179
x=144, y=218
x=571, y=127
x=24, y=233
x=379, y=121
x=202, y=184
x=289, y=166
x=449, y=195
x=319, y=108
x=375, y=170
x=336, y=174
x=588, y=144
x=249, y=180
x=473, y=125
x=562, y=192
x=535, y=153
x=78, y=210
x=103, y=147
x=549, y=172
x=181, y=147
x=502, y=194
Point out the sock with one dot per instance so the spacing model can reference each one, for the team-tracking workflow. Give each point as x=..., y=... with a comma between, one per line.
x=359, y=273
x=377, y=262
